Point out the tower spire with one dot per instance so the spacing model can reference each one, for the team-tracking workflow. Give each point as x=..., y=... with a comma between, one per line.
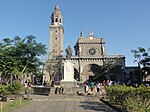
x=56, y=16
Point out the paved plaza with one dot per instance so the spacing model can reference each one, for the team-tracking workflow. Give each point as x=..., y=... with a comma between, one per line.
x=65, y=103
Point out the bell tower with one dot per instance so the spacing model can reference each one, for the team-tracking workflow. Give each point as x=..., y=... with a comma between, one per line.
x=56, y=33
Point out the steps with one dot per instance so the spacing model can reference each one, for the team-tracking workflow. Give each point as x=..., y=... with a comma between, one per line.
x=71, y=90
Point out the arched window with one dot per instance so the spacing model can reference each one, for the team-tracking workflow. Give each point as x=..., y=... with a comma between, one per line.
x=56, y=19
x=60, y=20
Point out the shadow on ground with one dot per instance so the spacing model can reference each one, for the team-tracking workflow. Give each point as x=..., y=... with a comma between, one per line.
x=96, y=106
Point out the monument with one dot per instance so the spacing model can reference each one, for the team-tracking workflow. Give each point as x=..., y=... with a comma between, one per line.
x=68, y=75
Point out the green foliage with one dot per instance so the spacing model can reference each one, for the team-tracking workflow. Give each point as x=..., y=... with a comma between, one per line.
x=54, y=68
x=18, y=56
x=109, y=68
x=2, y=89
x=15, y=88
x=130, y=98
x=142, y=57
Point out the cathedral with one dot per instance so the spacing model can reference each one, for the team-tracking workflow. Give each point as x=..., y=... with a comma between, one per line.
x=90, y=53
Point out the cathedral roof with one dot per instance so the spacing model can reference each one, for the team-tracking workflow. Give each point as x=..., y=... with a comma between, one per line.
x=90, y=39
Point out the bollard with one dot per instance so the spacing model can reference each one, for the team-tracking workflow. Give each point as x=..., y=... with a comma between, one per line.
x=20, y=100
x=1, y=106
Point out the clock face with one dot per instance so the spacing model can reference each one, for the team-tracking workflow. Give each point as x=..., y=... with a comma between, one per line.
x=92, y=51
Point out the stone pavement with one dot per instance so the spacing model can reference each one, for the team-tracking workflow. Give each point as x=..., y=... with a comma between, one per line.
x=65, y=103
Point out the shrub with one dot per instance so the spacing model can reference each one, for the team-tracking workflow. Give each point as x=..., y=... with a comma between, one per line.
x=15, y=88
x=2, y=89
x=130, y=98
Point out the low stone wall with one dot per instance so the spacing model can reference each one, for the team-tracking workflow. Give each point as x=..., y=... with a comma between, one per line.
x=51, y=90
x=41, y=90
x=10, y=97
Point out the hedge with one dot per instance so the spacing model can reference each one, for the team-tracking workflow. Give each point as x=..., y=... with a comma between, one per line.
x=129, y=98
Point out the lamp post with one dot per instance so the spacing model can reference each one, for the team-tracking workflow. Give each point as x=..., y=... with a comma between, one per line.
x=79, y=67
x=141, y=79
x=145, y=75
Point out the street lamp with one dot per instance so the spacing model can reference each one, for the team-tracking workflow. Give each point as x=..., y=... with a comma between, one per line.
x=145, y=75
x=141, y=78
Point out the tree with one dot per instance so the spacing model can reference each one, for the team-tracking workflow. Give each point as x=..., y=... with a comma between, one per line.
x=113, y=67
x=18, y=56
x=8, y=63
x=142, y=57
x=54, y=67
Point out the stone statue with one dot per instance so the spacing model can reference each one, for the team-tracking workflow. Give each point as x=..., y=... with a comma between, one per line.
x=68, y=52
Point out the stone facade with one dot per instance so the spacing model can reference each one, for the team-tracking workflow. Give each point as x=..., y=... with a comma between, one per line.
x=56, y=43
x=89, y=51
x=56, y=33
x=90, y=46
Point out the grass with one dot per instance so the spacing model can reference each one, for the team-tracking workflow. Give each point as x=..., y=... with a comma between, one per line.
x=12, y=105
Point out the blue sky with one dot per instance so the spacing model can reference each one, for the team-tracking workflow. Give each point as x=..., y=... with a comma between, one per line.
x=124, y=24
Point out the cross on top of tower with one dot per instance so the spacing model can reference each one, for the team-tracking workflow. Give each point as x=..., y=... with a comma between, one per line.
x=57, y=6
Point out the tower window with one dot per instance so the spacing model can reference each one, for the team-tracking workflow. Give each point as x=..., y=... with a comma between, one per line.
x=55, y=38
x=56, y=20
x=56, y=31
x=60, y=20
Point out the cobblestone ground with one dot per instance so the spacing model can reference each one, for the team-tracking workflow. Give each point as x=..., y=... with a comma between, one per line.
x=65, y=103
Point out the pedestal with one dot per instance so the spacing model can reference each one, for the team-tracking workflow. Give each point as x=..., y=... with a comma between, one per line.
x=68, y=84
x=68, y=76
x=68, y=71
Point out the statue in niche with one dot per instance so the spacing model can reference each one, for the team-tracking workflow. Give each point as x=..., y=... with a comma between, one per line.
x=68, y=52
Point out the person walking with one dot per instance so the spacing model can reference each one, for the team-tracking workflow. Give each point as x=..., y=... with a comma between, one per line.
x=91, y=85
x=98, y=89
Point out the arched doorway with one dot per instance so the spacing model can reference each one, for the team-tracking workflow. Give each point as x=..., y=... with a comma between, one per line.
x=90, y=71
x=76, y=75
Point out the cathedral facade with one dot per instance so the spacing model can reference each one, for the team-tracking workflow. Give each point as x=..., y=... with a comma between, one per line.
x=90, y=52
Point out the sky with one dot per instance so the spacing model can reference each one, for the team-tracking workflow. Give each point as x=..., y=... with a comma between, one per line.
x=124, y=24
